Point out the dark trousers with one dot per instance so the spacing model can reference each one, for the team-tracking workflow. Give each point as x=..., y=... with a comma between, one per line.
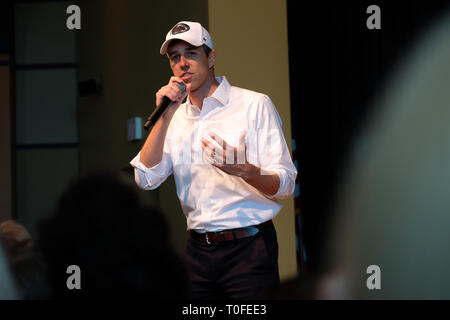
x=239, y=269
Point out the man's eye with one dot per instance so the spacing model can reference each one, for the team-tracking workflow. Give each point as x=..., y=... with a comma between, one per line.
x=191, y=53
x=175, y=58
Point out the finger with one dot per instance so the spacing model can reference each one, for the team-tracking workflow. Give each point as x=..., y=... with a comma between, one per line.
x=174, y=82
x=175, y=79
x=174, y=88
x=212, y=142
x=209, y=159
x=214, y=161
x=242, y=150
x=219, y=155
x=172, y=96
x=214, y=155
x=225, y=148
x=242, y=138
x=177, y=94
x=218, y=139
x=175, y=85
x=229, y=155
x=171, y=93
x=207, y=144
x=208, y=149
x=167, y=91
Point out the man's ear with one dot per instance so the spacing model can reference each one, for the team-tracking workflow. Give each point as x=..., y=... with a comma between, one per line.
x=212, y=58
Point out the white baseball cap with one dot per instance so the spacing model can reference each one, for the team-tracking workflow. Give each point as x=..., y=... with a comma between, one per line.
x=191, y=32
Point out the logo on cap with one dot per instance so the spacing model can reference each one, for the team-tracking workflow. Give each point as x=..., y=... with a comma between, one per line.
x=180, y=28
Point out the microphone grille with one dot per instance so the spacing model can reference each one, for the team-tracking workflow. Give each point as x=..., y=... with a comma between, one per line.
x=182, y=87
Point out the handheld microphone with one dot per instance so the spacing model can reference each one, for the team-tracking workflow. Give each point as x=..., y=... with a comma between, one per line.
x=157, y=113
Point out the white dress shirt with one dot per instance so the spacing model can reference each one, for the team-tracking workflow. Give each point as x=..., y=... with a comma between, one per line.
x=211, y=199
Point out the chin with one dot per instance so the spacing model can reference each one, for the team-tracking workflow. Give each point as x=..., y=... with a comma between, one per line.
x=194, y=86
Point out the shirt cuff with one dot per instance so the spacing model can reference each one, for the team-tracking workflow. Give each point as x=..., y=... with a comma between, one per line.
x=287, y=184
x=148, y=178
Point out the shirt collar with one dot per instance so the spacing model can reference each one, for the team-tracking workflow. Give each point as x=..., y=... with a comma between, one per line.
x=221, y=93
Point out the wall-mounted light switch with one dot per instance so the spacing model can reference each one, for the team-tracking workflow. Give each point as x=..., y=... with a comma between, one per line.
x=134, y=129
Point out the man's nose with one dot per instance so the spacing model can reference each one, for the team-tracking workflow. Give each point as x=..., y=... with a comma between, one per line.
x=184, y=62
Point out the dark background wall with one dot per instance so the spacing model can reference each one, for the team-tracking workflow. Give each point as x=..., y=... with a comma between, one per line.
x=6, y=134
x=50, y=134
x=338, y=68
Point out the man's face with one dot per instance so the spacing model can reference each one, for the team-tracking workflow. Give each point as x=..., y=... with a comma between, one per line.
x=189, y=63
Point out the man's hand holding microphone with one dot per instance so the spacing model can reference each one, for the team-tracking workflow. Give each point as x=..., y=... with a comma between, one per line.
x=168, y=98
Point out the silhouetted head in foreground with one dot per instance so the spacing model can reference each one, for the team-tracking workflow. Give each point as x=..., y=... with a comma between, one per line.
x=24, y=260
x=122, y=249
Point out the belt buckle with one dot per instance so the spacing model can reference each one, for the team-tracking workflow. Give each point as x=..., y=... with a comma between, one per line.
x=207, y=240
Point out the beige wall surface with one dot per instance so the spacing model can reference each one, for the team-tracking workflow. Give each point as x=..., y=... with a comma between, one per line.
x=250, y=37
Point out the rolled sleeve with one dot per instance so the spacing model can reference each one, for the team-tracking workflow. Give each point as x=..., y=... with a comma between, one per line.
x=273, y=151
x=151, y=178
x=287, y=183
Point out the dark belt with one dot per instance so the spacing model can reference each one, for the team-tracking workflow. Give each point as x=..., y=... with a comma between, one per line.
x=228, y=235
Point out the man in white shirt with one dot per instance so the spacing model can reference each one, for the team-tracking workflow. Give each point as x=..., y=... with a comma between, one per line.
x=230, y=161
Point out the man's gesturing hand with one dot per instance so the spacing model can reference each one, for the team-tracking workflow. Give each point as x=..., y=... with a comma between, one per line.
x=233, y=161
x=229, y=159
